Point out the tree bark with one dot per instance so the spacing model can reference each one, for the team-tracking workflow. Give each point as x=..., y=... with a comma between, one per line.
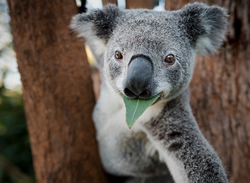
x=220, y=96
x=149, y=4
x=105, y=2
x=57, y=91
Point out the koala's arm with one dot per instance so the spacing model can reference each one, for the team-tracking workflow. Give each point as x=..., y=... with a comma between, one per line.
x=179, y=141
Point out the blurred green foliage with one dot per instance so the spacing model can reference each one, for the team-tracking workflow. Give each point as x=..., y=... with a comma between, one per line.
x=15, y=153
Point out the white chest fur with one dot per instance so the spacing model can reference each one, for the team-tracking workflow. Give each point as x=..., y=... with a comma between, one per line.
x=110, y=122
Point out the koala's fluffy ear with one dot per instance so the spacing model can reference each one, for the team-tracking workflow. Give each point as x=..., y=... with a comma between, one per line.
x=96, y=27
x=206, y=26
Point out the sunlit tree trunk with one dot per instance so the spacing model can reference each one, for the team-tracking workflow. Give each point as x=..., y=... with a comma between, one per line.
x=57, y=91
x=220, y=91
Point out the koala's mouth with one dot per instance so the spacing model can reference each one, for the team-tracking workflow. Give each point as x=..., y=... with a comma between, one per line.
x=159, y=99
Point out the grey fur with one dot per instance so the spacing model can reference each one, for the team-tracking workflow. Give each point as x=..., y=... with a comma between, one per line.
x=167, y=133
x=178, y=131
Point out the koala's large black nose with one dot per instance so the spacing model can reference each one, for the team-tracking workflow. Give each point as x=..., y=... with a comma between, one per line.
x=139, y=76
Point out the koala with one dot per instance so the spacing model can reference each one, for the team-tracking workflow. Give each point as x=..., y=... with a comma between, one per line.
x=141, y=53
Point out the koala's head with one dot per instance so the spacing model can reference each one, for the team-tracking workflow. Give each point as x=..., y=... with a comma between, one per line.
x=148, y=52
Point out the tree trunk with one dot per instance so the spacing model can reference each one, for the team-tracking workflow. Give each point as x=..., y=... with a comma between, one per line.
x=220, y=96
x=105, y=2
x=57, y=91
x=149, y=4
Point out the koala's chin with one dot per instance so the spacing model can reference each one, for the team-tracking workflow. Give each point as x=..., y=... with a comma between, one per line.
x=142, y=53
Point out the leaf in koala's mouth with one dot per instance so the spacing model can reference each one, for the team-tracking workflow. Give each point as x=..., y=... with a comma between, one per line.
x=135, y=108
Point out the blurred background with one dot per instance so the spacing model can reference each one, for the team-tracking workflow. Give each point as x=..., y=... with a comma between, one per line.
x=15, y=153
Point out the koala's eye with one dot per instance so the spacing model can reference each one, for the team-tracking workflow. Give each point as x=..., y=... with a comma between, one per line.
x=118, y=55
x=170, y=59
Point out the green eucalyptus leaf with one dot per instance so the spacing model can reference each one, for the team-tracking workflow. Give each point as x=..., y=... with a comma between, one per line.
x=135, y=108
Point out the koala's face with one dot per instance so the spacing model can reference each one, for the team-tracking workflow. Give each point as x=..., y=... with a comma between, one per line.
x=146, y=52
x=146, y=56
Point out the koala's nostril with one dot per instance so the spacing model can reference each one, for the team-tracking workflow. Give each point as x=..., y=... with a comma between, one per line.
x=129, y=93
x=145, y=94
